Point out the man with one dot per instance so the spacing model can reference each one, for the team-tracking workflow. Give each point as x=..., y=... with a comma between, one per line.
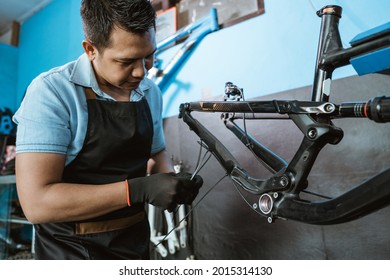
x=86, y=133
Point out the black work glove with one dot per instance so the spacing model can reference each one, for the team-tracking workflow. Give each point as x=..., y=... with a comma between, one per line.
x=164, y=190
x=189, y=188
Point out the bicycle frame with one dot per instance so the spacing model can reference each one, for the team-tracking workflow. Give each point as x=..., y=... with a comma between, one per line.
x=280, y=194
x=195, y=31
x=332, y=55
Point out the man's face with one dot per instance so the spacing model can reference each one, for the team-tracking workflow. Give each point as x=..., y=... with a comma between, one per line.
x=123, y=64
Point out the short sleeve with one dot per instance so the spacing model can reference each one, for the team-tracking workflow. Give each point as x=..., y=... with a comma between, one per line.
x=42, y=120
x=155, y=101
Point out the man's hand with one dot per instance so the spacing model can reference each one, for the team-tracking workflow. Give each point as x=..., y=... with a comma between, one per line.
x=165, y=190
x=189, y=188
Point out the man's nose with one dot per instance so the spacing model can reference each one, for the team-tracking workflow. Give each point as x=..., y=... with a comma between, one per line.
x=139, y=70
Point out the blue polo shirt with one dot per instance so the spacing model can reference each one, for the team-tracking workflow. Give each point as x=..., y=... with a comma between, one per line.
x=53, y=116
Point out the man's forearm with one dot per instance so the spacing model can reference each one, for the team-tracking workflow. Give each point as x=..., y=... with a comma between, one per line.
x=160, y=163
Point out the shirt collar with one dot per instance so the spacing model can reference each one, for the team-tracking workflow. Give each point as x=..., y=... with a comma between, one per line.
x=84, y=75
x=81, y=73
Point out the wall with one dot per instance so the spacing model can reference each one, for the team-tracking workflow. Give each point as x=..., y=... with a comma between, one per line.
x=6, y=37
x=270, y=53
x=50, y=38
x=8, y=74
x=264, y=55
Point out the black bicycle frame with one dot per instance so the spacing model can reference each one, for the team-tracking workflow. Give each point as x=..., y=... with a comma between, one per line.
x=279, y=195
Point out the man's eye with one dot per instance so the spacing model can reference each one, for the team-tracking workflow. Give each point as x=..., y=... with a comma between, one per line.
x=125, y=63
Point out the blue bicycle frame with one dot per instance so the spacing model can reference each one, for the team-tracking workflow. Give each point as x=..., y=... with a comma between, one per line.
x=195, y=31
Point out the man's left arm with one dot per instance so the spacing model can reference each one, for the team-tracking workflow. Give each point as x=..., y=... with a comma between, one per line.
x=160, y=163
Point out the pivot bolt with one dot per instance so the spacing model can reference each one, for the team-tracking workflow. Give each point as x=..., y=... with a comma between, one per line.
x=312, y=133
x=284, y=181
x=329, y=108
x=286, y=107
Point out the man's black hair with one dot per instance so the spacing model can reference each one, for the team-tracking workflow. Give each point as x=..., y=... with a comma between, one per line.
x=99, y=17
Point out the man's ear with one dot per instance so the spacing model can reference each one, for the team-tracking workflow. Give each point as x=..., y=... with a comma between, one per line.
x=89, y=49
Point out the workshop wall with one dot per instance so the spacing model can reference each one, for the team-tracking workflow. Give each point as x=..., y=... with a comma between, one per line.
x=273, y=52
x=50, y=38
x=266, y=54
x=8, y=76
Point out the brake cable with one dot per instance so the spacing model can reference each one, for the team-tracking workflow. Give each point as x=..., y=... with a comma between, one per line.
x=198, y=167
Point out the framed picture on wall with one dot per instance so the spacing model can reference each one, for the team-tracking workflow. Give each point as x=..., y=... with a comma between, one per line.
x=166, y=23
x=229, y=11
x=160, y=5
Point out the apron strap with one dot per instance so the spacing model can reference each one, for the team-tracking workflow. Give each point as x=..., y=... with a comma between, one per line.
x=89, y=94
x=109, y=225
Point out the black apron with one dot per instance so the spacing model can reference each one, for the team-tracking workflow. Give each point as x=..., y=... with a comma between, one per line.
x=117, y=146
